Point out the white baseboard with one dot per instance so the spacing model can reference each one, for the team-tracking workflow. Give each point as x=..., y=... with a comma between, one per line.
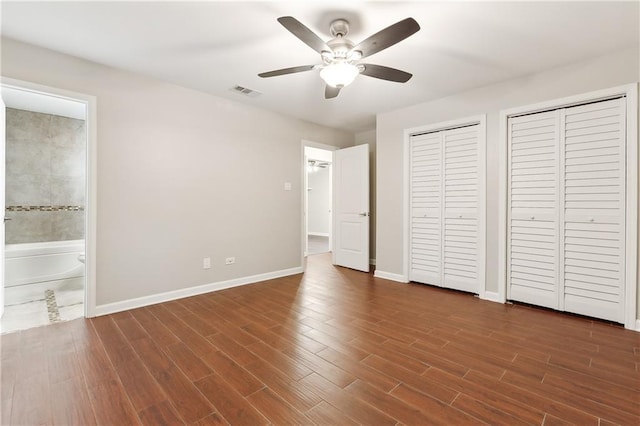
x=390, y=276
x=139, y=302
x=638, y=325
x=318, y=234
x=491, y=296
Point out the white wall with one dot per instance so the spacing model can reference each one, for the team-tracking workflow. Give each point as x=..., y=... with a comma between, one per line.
x=598, y=73
x=182, y=175
x=319, y=196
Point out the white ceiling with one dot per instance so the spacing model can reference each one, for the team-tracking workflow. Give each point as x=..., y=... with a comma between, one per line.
x=213, y=46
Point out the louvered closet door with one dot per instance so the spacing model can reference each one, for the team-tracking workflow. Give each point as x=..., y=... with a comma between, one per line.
x=444, y=248
x=426, y=205
x=594, y=208
x=533, y=209
x=460, y=254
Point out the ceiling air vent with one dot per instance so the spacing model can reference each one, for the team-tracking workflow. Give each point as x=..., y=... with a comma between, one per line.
x=246, y=92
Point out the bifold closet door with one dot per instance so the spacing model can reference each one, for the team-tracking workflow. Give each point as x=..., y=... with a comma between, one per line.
x=566, y=225
x=532, y=233
x=593, y=189
x=460, y=190
x=426, y=209
x=444, y=235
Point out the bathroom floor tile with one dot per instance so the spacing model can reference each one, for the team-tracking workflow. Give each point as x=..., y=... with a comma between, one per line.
x=68, y=298
x=68, y=313
x=65, y=305
x=22, y=294
x=24, y=316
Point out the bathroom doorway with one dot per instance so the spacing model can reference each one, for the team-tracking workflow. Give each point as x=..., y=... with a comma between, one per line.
x=45, y=207
x=319, y=199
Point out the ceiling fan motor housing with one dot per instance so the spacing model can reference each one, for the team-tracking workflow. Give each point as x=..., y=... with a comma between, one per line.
x=339, y=28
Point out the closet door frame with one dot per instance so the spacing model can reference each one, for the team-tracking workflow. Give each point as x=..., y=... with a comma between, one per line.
x=479, y=120
x=630, y=92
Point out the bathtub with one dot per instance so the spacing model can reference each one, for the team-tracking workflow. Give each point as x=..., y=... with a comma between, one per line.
x=32, y=263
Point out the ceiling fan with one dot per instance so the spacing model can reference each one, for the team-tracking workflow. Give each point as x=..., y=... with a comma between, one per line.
x=340, y=56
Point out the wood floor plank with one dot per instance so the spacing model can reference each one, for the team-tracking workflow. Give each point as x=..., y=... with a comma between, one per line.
x=238, y=377
x=160, y=334
x=437, y=411
x=191, y=365
x=114, y=342
x=589, y=406
x=379, y=379
x=326, y=414
x=232, y=406
x=213, y=419
x=276, y=409
x=526, y=398
x=141, y=387
x=95, y=365
x=161, y=413
x=436, y=390
x=130, y=328
x=31, y=401
x=387, y=403
x=184, y=395
x=349, y=405
x=485, y=412
x=233, y=349
x=295, y=393
x=279, y=360
x=111, y=405
x=70, y=403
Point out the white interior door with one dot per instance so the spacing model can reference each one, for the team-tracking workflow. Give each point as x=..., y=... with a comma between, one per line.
x=351, y=207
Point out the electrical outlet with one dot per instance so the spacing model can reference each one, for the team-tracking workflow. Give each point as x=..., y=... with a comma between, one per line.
x=206, y=263
x=230, y=261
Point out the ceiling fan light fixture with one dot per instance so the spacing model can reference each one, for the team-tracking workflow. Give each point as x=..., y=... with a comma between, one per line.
x=340, y=74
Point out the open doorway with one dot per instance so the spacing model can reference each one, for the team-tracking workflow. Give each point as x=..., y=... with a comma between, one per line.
x=318, y=200
x=45, y=208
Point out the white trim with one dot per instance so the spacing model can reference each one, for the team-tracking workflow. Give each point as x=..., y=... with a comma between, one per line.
x=491, y=296
x=482, y=207
x=91, y=207
x=390, y=276
x=631, y=216
x=153, y=299
x=318, y=234
x=637, y=325
x=480, y=120
x=630, y=91
x=502, y=209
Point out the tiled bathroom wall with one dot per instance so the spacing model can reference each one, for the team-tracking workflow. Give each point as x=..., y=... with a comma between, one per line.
x=45, y=183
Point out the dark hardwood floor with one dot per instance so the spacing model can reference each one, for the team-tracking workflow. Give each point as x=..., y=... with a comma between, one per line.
x=334, y=346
